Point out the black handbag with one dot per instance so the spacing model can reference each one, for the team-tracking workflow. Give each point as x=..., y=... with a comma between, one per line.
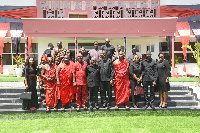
x=25, y=95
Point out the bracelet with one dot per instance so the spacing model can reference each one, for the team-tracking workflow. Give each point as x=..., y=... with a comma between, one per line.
x=74, y=81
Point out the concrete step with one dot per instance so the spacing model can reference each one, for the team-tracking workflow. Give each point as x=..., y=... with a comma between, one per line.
x=141, y=104
x=19, y=110
x=10, y=100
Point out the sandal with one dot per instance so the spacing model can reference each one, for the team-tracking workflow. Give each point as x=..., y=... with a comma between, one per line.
x=85, y=108
x=78, y=108
x=47, y=109
x=160, y=106
x=127, y=107
x=134, y=106
x=72, y=107
x=62, y=109
x=33, y=108
x=164, y=105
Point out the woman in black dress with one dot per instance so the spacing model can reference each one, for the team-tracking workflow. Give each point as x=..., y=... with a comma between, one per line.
x=163, y=86
x=30, y=83
x=135, y=79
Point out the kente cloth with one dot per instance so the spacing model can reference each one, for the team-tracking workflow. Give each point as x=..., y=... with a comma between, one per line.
x=65, y=77
x=80, y=72
x=122, y=82
x=50, y=87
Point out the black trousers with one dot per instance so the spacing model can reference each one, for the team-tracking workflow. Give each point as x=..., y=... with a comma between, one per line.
x=135, y=98
x=152, y=92
x=106, y=89
x=42, y=92
x=93, y=94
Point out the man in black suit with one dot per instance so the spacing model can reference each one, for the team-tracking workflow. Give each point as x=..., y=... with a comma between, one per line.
x=130, y=57
x=93, y=82
x=47, y=52
x=149, y=75
x=106, y=77
x=110, y=49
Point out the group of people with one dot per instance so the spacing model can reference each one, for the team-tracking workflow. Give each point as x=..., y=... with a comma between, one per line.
x=61, y=78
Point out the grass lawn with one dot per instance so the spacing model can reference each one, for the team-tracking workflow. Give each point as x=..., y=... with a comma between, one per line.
x=184, y=79
x=11, y=78
x=102, y=122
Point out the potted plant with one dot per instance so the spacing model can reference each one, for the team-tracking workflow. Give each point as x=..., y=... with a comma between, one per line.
x=18, y=67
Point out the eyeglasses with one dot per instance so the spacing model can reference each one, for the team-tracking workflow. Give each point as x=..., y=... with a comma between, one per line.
x=161, y=57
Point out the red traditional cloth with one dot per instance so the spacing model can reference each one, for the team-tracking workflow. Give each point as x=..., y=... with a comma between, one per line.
x=177, y=12
x=80, y=72
x=122, y=82
x=72, y=88
x=57, y=88
x=30, y=12
x=185, y=41
x=65, y=77
x=84, y=90
x=50, y=87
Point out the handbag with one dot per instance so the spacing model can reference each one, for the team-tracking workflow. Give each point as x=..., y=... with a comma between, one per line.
x=138, y=90
x=25, y=95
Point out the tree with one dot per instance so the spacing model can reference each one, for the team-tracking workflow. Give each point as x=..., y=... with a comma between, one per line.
x=196, y=54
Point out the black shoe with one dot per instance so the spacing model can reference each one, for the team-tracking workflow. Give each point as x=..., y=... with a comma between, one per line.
x=104, y=105
x=146, y=106
x=91, y=108
x=97, y=107
x=152, y=106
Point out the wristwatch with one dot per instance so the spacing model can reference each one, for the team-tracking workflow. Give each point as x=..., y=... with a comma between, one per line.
x=74, y=81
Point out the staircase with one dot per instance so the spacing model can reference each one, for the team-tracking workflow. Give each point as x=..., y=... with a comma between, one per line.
x=179, y=98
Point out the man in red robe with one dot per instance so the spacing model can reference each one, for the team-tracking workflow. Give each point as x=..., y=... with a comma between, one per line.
x=80, y=81
x=122, y=82
x=64, y=80
x=49, y=75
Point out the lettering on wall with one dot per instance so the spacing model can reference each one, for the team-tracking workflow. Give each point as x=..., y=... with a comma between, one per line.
x=106, y=9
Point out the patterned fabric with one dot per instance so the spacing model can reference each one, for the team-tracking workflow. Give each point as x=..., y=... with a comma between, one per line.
x=122, y=82
x=80, y=72
x=66, y=82
x=50, y=87
x=81, y=89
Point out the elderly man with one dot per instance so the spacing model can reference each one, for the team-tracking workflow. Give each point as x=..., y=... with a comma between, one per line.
x=49, y=75
x=80, y=81
x=64, y=80
x=122, y=82
x=110, y=49
x=93, y=83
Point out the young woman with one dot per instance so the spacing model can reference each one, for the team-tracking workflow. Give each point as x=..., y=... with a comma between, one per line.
x=163, y=86
x=30, y=83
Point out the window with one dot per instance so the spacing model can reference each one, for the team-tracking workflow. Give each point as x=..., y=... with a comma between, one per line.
x=9, y=52
x=150, y=48
x=163, y=46
x=77, y=15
